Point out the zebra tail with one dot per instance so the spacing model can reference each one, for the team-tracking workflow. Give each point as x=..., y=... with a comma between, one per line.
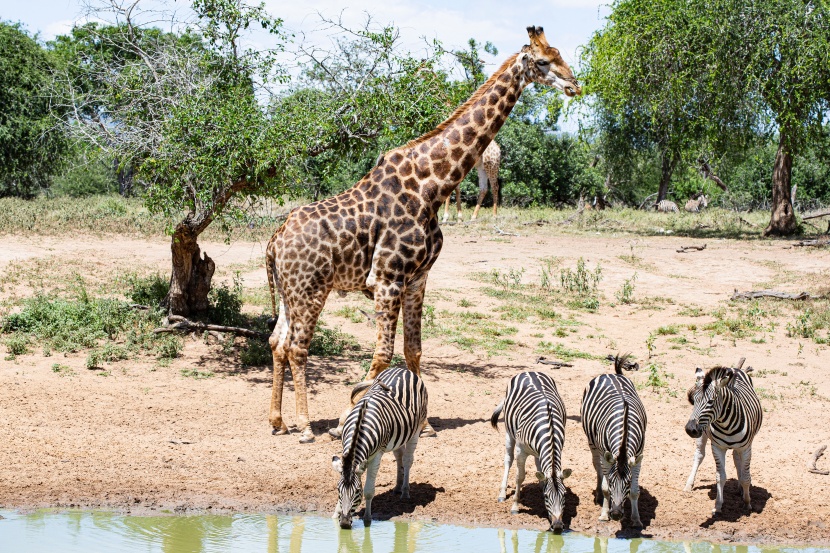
x=348, y=457
x=494, y=418
x=623, y=455
x=620, y=361
x=366, y=384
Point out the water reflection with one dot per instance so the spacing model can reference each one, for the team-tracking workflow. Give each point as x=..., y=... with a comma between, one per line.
x=87, y=532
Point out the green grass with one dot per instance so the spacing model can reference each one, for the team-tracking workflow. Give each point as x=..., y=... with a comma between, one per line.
x=474, y=332
x=196, y=374
x=331, y=341
x=562, y=352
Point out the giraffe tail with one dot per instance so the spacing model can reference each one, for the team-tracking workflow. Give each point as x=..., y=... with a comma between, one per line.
x=271, y=270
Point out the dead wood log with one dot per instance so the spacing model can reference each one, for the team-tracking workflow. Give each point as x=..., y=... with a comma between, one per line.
x=684, y=249
x=819, y=452
x=707, y=172
x=627, y=365
x=503, y=233
x=824, y=213
x=818, y=243
x=642, y=205
x=551, y=362
x=747, y=223
x=754, y=294
x=181, y=324
x=740, y=364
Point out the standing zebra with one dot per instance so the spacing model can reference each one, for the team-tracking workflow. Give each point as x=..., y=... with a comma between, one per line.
x=388, y=418
x=696, y=204
x=614, y=420
x=727, y=411
x=666, y=206
x=534, y=421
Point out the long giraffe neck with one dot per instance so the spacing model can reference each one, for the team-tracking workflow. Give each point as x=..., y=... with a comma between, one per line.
x=446, y=154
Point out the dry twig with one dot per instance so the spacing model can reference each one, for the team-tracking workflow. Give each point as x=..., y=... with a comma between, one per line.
x=684, y=249
x=554, y=364
x=819, y=452
x=502, y=233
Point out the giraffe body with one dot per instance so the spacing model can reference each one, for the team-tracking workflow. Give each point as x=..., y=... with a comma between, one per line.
x=381, y=237
x=488, y=173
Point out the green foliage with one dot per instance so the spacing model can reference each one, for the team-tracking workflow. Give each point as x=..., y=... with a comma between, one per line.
x=562, y=352
x=656, y=378
x=626, y=292
x=31, y=148
x=809, y=323
x=17, y=344
x=196, y=374
x=226, y=303
x=149, y=290
x=255, y=353
x=86, y=173
x=330, y=341
x=581, y=281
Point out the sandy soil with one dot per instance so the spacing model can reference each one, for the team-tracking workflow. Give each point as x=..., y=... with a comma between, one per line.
x=145, y=438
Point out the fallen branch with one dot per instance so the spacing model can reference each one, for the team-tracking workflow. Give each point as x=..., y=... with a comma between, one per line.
x=823, y=241
x=819, y=452
x=570, y=219
x=554, y=364
x=824, y=213
x=751, y=295
x=538, y=223
x=684, y=249
x=707, y=172
x=646, y=200
x=744, y=221
x=627, y=365
x=180, y=324
x=502, y=233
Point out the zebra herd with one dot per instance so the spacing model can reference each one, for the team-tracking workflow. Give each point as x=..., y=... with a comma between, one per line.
x=391, y=414
x=694, y=205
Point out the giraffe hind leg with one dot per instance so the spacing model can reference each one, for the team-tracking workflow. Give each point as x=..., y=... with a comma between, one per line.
x=278, y=342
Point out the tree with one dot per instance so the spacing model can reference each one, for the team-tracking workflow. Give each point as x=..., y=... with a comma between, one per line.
x=31, y=145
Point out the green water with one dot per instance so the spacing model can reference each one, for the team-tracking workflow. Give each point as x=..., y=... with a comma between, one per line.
x=91, y=532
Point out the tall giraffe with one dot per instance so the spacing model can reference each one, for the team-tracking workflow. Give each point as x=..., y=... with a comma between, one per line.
x=488, y=170
x=381, y=237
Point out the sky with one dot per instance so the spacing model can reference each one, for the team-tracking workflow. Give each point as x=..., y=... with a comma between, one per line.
x=568, y=24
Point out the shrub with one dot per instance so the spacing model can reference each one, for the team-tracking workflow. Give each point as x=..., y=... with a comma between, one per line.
x=148, y=290
x=330, y=341
x=226, y=303
x=255, y=353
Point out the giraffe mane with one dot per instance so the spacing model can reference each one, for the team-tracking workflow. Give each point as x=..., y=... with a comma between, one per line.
x=488, y=84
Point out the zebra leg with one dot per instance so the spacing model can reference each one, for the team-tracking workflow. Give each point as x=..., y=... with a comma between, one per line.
x=719, y=454
x=634, y=495
x=595, y=457
x=521, y=458
x=606, y=491
x=509, y=448
x=742, y=460
x=407, y=458
x=700, y=453
x=399, y=476
x=447, y=209
x=372, y=466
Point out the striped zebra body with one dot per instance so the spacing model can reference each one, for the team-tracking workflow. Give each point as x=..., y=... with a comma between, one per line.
x=695, y=205
x=534, y=421
x=666, y=206
x=726, y=411
x=614, y=420
x=388, y=418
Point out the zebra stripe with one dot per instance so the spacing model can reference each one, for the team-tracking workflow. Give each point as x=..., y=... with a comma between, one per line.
x=666, y=206
x=614, y=421
x=696, y=204
x=388, y=418
x=534, y=421
x=728, y=412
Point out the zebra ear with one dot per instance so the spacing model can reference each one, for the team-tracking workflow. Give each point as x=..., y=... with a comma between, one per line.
x=337, y=464
x=698, y=374
x=361, y=468
x=609, y=458
x=633, y=461
x=540, y=476
x=724, y=380
x=564, y=474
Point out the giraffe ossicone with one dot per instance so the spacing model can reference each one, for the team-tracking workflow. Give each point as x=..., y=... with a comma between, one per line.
x=381, y=237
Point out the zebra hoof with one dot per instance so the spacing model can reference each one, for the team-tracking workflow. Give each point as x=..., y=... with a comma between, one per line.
x=428, y=432
x=514, y=511
x=687, y=489
x=501, y=499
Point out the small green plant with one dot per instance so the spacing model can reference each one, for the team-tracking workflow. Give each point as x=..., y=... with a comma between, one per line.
x=149, y=290
x=106, y=354
x=511, y=279
x=168, y=347
x=654, y=379
x=17, y=344
x=626, y=292
x=563, y=352
x=650, y=344
x=226, y=303
x=667, y=330
x=330, y=341
x=255, y=353
x=581, y=281
x=350, y=312
x=195, y=373
x=62, y=370
x=428, y=315
x=463, y=303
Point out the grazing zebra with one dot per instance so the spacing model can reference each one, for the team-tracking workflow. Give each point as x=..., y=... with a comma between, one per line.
x=666, y=206
x=388, y=418
x=728, y=412
x=695, y=205
x=614, y=420
x=534, y=420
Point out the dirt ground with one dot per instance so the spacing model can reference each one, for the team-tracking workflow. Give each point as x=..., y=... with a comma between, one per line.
x=144, y=438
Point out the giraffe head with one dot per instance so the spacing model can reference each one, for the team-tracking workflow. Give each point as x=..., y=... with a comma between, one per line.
x=545, y=65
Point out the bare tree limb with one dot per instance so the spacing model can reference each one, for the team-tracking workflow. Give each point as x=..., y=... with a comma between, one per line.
x=685, y=249
x=181, y=324
x=707, y=172
x=751, y=295
x=816, y=456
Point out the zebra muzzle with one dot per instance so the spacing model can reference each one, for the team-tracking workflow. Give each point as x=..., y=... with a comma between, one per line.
x=693, y=429
x=556, y=527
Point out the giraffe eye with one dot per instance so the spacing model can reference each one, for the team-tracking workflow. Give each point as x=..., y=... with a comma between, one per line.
x=542, y=63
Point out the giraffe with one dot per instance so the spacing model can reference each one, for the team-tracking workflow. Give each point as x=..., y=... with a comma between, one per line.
x=488, y=170
x=381, y=237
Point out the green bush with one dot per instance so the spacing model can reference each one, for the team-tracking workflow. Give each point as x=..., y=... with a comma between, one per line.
x=148, y=290
x=226, y=304
x=330, y=341
x=255, y=353
x=17, y=344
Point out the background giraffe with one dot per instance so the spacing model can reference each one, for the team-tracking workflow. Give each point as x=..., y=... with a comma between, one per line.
x=381, y=237
x=488, y=170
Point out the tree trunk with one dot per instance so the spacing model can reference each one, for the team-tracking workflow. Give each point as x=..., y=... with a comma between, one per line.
x=669, y=162
x=782, y=219
x=191, y=276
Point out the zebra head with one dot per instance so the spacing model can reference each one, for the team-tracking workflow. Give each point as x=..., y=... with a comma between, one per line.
x=704, y=398
x=618, y=475
x=553, y=488
x=349, y=490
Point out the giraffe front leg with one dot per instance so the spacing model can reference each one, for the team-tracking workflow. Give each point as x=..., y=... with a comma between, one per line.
x=277, y=341
x=413, y=304
x=719, y=454
x=387, y=307
x=447, y=209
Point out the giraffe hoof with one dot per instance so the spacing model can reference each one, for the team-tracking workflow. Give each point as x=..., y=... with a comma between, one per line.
x=307, y=439
x=279, y=431
x=428, y=432
x=335, y=433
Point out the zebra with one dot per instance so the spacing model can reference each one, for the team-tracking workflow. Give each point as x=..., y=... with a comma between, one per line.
x=534, y=421
x=389, y=417
x=696, y=204
x=614, y=420
x=666, y=206
x=728, y=412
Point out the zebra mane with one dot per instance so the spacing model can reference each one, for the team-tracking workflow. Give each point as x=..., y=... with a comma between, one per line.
x=348, y=457
x=552, y=448
x=623, y=454
x=712, y=372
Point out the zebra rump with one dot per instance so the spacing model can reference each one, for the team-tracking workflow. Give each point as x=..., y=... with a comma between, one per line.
x=666, y=206
x=614, y=421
